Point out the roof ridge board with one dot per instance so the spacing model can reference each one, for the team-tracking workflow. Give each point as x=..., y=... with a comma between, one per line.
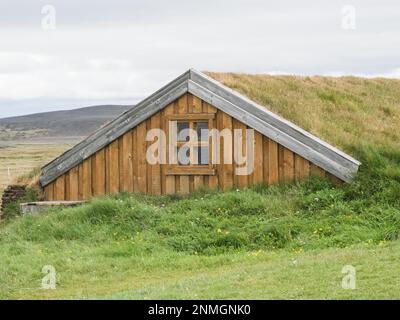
x=86, y=141
x=271, y=131
x=169, y=86
x=309, y=141
x=278, y=120
x=141, y=114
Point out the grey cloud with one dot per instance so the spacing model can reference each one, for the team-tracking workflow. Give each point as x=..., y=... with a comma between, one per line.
x=123, y=50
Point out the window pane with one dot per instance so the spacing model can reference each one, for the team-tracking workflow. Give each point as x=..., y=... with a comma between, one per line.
x=202, y=155
x=183, y=131
x=183, y=156
x=202, y=130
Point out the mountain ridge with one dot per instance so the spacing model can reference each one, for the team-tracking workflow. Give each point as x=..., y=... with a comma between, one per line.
x=75, y=122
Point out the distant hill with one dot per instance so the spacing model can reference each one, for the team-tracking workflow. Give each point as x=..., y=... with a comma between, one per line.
x=77, y=122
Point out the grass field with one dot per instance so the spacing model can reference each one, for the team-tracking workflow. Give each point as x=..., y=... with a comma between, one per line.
x=286, y=241
x=279, y=274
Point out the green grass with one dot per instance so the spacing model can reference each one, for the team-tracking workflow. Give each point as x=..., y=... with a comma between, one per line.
x=97, y=272
x=286, y=241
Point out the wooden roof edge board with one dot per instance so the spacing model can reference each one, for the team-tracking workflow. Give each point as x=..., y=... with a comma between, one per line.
x=260, y=123
x=281, y=123
x=113, y=133
x=345, y=173
x=82, y=142
x=165, y=89
x=289, y=135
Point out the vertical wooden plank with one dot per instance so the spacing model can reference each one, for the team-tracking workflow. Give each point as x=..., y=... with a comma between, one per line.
x=210, y=108
x=114, y=166
x=164, y=149
x=169, y=180
x=211, y=181
x=141, y=155
x=184, y=181
x=149, y=166
x=86, y=179
x=257, y=175
x=67, y=187
x=206, y=182
x=288, y=165
x=156, y=168
x=98, y=173
x=191, y=183
x=184, y=184
x=80, y=178
x=59, y=191
x=94, y=174
x=243, y=180
x=74, y=184
x=225, y=170
x=305, y=168
x=177, y=178
x=134, y=161
x=107, y=160
x=280, y=163
x=49, y=192
x=273, y=165
x=265, y=160
x=239, y=151
x=127, y=181
x=235, y=152
x=335, y=180
x=190, y=103
x=165, y=145
x=177, y=184
x=198, y=182
x=297, y=167
x=182, y=104
x=250, y=177
x=197, y=107
x=54, y=190
x=120, y=163
x=302, y=168
x=317, y=171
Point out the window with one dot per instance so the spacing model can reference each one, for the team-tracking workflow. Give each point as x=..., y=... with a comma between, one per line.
x=183, y=131
x=192, y=144
x=192, y=150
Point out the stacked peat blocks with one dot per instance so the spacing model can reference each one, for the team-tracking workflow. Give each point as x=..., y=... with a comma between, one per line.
x=11, y=194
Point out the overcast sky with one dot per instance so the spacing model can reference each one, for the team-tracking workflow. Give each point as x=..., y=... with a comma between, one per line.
x=117, y=52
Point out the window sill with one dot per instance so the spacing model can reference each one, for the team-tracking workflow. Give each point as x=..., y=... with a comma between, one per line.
x=190, y=171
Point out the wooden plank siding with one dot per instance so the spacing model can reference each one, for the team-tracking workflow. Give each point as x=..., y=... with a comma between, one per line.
x=182, y=107
x=122, y=166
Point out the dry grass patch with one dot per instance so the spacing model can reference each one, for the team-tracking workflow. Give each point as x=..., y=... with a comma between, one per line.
x=346, y=111
x=20, y=162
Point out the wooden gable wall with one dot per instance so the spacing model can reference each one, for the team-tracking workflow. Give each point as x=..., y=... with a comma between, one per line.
x=122, y=166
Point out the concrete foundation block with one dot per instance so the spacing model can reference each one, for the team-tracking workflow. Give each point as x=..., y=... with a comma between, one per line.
x=43, y=206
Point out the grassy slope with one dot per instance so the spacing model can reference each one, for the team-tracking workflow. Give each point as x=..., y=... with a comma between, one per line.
x=279, y=242
x=236, y=245
x=347, y=112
